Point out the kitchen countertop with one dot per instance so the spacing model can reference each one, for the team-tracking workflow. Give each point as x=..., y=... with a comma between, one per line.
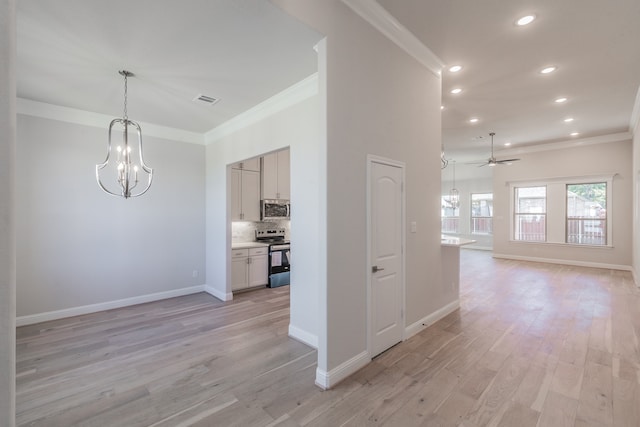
x=247, y=245
x=454, y=241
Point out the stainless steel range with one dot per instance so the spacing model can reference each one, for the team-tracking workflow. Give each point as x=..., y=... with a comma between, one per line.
x=279, y=255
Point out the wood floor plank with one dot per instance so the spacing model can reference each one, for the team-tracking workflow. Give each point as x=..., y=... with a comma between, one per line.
x=499, y=393
x=518, y=414
x=426, y=400
x=567, y=380
x=454, y=408
x=596, y=397
x=626, y=402
x=558, y=411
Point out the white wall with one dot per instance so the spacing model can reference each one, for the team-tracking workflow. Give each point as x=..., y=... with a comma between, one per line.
x=466, y=187
x=7, y=213
x=78, y=246
x=636, y=197
x=576, y=161
x=382, y=101
x=296, y=127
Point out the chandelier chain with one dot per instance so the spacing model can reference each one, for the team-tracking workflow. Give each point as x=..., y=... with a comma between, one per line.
x=125, y=96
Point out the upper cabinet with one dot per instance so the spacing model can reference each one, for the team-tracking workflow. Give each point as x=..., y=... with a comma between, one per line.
x=250, y=165
x=275, y=175
x=245, y=191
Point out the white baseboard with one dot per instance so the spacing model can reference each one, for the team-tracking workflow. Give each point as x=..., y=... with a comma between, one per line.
x=429, y=320
x=326, y=380
x=94, y=308
x=222, y=296
x=478, y=247
x=565, y=262
x=303, y=336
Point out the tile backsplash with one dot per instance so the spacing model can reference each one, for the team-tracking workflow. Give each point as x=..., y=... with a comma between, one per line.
x=244, y=231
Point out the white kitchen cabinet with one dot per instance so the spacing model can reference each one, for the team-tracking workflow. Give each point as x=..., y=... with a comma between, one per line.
x=245, y=195
x=275, y=175
x=258, y=267
x=251, y=165
x=239, y=271
x=249, y=268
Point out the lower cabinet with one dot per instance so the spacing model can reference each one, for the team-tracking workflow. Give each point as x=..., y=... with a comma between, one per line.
x=249, y=268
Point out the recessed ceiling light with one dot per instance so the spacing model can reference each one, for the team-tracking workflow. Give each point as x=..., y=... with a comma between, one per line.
x=442, y=107
x=456, y=90
x=560, y=100
x=473, y=120
x=548, y=70
x=574, y=134
x=506, y=144
x=525, y=20
x=455, y=68
x=568, y=120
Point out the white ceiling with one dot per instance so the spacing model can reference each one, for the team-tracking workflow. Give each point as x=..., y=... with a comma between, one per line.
x=594, y=44
x=241, y=51
x=245, y=51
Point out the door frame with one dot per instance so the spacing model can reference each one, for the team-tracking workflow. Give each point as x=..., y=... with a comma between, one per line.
x=371, y=159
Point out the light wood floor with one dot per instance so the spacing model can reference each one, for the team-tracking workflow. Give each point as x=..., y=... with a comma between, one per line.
x=533, y=344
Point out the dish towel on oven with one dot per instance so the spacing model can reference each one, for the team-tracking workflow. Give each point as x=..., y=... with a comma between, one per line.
x=276, y=259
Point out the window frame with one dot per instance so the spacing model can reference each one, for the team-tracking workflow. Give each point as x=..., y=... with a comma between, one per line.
x=568, y=218
x=455, y=217
x=515, y=213
x=472, y=217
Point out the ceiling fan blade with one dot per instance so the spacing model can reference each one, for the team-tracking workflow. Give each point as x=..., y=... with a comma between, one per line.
x=507, y=161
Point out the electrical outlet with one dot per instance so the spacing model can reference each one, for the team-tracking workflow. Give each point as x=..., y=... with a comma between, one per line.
x=195, y=273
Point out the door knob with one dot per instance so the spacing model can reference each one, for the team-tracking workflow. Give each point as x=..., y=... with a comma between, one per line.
x=375, y=269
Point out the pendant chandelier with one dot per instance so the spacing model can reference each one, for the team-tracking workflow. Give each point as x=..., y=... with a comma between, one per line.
x=443, y=160
x=454, y=194
x=124, y=170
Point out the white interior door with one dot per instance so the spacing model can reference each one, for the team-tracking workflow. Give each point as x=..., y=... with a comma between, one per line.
x=387, y=282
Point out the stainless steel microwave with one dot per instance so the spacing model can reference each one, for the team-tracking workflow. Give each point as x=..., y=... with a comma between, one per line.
x=275, y=209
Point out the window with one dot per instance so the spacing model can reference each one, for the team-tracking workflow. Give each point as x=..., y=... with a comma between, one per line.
x=450, y=215
x=587, y=214
x=530, y=214
x=572, y=210
x=482, y=213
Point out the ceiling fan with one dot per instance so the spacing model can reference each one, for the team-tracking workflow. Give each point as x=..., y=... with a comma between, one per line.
x=492, y=161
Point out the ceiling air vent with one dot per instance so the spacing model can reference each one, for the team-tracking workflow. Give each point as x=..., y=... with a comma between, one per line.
x=208, y=100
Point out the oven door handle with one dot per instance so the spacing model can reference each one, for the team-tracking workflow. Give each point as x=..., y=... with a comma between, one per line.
x=273, y=248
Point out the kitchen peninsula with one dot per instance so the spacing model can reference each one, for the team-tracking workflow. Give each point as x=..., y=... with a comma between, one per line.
x=450, y=250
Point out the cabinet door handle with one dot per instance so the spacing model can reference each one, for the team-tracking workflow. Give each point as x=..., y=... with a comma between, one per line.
x=375, y=269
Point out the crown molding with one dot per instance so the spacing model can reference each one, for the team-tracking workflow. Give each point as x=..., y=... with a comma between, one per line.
x=281, y=101
x=582, y=142
x=383, y=21
x=88, y=118
x=634, y=123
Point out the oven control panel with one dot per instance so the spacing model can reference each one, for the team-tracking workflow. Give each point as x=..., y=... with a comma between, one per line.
x=269, y=233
